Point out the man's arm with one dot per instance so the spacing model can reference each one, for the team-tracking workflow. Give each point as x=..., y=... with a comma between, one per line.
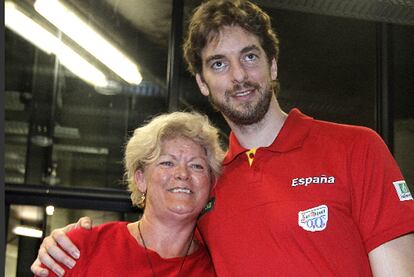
x=51, y=251
x=394, y=258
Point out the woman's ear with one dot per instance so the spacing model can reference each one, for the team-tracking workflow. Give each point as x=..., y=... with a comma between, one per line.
x=202, y=85
x=139, y=179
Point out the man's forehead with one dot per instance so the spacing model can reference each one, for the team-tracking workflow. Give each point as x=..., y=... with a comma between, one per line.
x=229, y=39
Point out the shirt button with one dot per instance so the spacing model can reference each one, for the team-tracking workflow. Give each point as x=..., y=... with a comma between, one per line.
x=251, y=155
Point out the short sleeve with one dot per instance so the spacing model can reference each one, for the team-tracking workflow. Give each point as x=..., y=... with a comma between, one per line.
x=378, y=209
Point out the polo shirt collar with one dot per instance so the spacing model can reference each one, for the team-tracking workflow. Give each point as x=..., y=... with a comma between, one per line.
x=291, y=136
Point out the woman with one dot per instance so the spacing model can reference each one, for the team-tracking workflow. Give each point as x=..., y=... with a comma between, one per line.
x=171, y=165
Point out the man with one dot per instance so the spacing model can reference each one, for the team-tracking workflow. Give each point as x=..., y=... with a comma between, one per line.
x=297, y=196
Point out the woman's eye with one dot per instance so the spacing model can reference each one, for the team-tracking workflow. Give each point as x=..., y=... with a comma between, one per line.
x=166, y=163
x=197, y=166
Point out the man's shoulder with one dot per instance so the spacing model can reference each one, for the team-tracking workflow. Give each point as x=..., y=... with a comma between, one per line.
x=343, y=132
x=318, y=129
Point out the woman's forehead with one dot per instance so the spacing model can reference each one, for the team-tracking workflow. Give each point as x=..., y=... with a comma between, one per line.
x=179, y=143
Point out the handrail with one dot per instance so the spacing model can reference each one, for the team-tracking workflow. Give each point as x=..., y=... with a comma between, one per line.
x=69, y=197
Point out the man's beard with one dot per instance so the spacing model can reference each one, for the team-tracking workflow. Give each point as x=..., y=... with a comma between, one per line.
x=248, y=113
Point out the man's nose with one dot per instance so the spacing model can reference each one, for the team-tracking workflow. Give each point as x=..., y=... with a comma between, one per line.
x=239, y=72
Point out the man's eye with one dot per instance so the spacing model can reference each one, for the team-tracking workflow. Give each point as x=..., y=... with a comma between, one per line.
x=251, y=57
x=217, y=65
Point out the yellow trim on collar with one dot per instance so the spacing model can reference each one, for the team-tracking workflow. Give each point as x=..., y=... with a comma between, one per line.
x=250, y=155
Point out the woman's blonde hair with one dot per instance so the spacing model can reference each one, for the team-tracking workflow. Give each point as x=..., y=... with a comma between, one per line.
x=144, y=147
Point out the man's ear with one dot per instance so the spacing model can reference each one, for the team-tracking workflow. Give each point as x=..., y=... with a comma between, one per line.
x=273, y=70
x=139, y=179
x=202, y=85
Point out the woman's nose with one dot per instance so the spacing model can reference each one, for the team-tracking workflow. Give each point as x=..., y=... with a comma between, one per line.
x=181, y=172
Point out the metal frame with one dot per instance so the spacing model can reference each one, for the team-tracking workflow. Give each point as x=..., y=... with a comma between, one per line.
x=383, y=104
x=69, y=197
x=174, y=55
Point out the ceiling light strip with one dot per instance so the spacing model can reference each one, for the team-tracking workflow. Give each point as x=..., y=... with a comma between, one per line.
x=83, y=34
x=26, y=27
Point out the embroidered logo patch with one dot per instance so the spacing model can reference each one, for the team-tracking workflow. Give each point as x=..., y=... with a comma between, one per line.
x=403, y=191
x=314, y=219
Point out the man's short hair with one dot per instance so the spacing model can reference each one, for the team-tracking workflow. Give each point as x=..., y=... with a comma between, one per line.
x=213, y=15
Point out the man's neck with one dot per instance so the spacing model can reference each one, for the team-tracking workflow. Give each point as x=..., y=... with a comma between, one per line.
x=262, y=133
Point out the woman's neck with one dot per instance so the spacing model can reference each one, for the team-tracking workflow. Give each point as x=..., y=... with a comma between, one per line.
x=168, y=241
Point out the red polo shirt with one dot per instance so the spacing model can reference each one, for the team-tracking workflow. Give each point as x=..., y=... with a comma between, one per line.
x=314, y=203
x=110, y=250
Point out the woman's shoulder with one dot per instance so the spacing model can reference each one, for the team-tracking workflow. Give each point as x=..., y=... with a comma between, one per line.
x=102, y=228
x=81, y=236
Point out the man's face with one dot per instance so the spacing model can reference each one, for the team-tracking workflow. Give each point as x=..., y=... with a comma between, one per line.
x=236, y=75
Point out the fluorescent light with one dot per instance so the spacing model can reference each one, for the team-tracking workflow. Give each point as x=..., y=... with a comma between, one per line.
x=25, y=26
x=27, y=231
x=50, y=210
x=74, y=27
x=79, y=66
x=43, y=39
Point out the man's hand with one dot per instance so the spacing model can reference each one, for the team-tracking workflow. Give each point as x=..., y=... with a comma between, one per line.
x=50, y=251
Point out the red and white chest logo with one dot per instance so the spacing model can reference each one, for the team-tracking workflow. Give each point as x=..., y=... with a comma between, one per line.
x=314, y=219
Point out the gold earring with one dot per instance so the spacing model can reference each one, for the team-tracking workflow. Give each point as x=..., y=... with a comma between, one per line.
x=143, y=195
x=141, y=202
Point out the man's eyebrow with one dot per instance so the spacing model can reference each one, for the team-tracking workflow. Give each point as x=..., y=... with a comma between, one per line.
x=243, y=51
x=214, y=57
x=250, y=48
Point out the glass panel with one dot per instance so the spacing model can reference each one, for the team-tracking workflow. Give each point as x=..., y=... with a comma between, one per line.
x=78, y=127
x=18, y=79
x=327, y=66
x=402, y=87
x=22, y=249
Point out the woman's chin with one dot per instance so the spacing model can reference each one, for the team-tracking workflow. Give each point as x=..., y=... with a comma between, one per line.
x=184, y=210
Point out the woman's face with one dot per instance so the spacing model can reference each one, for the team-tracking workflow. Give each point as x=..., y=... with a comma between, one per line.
x=178, y=183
